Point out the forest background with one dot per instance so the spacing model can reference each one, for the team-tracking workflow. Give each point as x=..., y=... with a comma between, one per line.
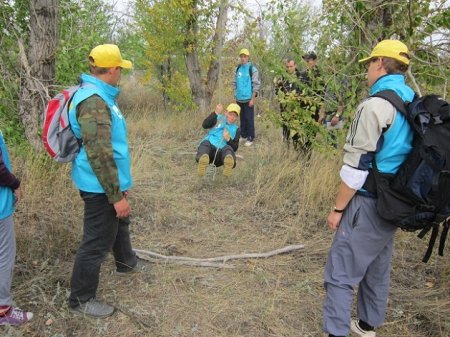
x=184, y=54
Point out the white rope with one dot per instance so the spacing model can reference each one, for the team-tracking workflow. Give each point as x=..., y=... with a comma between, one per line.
x=211, y=170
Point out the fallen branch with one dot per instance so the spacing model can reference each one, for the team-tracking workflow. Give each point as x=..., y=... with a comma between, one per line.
x=206, y=262
x=186, y=263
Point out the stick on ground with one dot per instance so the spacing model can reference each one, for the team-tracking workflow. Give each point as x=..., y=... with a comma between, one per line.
x=209, y=262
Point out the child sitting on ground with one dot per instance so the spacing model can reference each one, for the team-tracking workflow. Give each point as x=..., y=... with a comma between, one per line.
x=221, y=142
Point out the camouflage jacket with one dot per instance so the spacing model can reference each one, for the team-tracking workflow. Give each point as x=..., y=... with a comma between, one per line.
x=95, y=122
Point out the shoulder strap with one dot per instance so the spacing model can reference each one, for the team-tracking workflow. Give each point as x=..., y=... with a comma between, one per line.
x=250, y=69
x=392, y=97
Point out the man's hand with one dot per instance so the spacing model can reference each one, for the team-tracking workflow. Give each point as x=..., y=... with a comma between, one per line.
x=334, y=120
x=18, y=194
x=333, y=220
x=226, y=135
x=219, y=109
x=339, y=111
x=122, y=208
x=251, y=103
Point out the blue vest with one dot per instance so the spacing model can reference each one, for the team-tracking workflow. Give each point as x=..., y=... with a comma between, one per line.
x=215, y=135
x=397, y=142
x=82, y=173
x=244, y=90
x=6, y=193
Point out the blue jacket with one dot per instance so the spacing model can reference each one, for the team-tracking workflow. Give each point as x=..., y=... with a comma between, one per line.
x=215, y=135
x=397, y=140
x=82, y=173
x=6, y=193
x=244, y=87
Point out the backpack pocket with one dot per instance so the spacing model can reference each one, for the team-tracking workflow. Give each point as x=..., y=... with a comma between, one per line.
x=69, y=145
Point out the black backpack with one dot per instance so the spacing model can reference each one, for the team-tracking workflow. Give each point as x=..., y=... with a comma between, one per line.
x=417, y=197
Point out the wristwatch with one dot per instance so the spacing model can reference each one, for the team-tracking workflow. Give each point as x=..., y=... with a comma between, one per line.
x=337, y=210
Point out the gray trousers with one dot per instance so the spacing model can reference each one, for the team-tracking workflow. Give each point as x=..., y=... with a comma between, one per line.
x=7, y=258
x=360, y=255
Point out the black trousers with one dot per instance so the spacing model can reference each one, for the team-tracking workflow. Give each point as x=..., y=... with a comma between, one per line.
x=102, y=231
x=247, y=117
x=206, y=147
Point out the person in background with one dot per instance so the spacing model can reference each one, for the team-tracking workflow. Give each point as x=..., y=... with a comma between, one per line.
x=310, y=100
x=10, y=195
x=222, y=140
x=332, y=109
x=287, y=88
x=246, y=86
x=313, y=85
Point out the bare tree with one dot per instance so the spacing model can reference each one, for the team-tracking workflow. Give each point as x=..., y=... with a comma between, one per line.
x=38, y=67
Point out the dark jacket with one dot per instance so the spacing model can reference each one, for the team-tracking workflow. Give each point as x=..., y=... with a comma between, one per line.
x=289, y=83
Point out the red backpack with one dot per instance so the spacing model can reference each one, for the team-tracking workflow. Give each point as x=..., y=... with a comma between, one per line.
x=59, y=140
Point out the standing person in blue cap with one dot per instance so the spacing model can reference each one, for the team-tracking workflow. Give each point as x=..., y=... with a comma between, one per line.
x=246, y=86
x=361, y=251
x=10, y=195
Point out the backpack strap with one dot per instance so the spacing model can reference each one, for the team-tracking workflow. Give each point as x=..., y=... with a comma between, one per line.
x=392, y=97
x=434, y=233
x=250, y=69
x=444, y=235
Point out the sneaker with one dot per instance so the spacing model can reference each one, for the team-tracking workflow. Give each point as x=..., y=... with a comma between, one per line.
x=94, y=308
x=203, y=163
x=360, y=332
x=15, y=316
x=248, y=143
x=140, y=267
x=242, y=140
x=228, y=164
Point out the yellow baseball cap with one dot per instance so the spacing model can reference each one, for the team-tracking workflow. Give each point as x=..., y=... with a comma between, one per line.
x=390, y=48
x=233, y=107
x=108, y=56
x=244, y=51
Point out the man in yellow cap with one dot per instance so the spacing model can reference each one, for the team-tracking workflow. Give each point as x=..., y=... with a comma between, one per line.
x=101, y=172
x=222, y=140
x=246, y=86
x=361, y=251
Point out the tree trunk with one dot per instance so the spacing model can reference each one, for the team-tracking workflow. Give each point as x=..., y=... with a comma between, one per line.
x=218, y=42
x=379, y=15
x=203, y=90
x=191, y=59
x=38, y=67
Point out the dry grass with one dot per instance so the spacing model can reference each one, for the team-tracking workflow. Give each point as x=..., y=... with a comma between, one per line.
x=272, y=199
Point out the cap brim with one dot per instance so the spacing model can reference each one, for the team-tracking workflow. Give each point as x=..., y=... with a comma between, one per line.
x=365, y=59
x=126, y=64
